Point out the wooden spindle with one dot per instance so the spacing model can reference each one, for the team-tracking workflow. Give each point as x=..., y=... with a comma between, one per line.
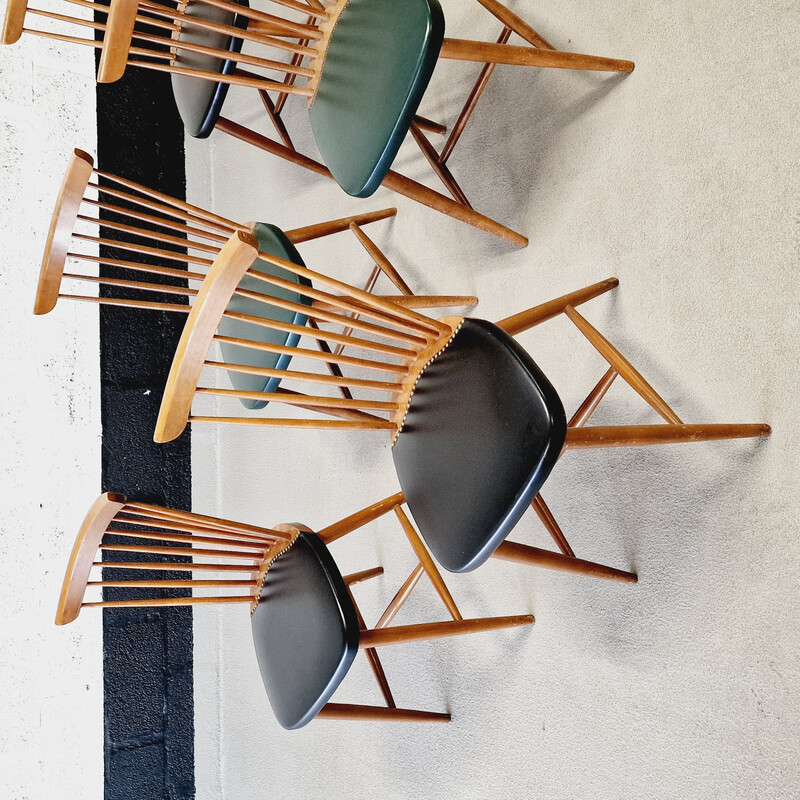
x=588, y=406
x=145, y=233
x=328, y=336
x=171, y=584
x=400, y=634
x=189, y=552
x=329, y=424
x=301, y=400
x=305, y=234
x=166, y=203
x=170, y=255
x=140, y=267
x=140, y=285
x=400, y=597
x=168, y=601
x=160, y=566
x=162, y=536
x=179, y=227
x=298, y=352
x=360, y=518
x=314, y=377
x=143, y=305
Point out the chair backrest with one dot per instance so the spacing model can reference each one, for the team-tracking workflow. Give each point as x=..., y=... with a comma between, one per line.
x=195, y=38
x=155, y=234
x=152, y=550
x=398, y=341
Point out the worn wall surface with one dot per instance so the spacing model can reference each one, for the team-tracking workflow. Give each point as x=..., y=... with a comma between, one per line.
x=51, y=688
x=680, y=179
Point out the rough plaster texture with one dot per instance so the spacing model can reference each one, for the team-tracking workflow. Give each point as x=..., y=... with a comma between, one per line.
x=681, y=179
x=51, y=680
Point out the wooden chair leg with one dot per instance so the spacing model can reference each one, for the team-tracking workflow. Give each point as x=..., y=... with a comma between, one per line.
x=305, y=234
x=375, y=662
x=553, y=528
x=432, y=300
x=399, y=634
x=438, y=166
x=400, y=598
x=626, y=370
x=635, y=435
x=491, y=52
x=393, y=180
x=472, y=101
x=378, y=714
x=517, y=323
x=536, y=557
x=364, y=575
x=513, y=22
x=360, y=518
x=588, y=406
x=383, y=263
x=428, y=564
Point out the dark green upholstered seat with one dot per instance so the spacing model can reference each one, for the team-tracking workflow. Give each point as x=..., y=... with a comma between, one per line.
x=273, y=241
x=305, y=631
x=200, y=101
x=379, y=61
x=483, y=431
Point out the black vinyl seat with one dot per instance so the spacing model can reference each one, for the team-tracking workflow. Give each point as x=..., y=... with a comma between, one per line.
x=483, y=430
x=305, y=631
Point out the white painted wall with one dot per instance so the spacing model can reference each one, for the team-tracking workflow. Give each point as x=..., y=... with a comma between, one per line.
x=682, y=180
x=51, y=679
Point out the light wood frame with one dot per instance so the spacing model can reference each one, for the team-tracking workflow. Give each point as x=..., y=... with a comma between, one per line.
x=300, y=41
x=240, y=556
x=200, y=330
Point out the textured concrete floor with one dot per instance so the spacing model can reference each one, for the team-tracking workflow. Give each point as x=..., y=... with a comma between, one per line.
x=680, y=179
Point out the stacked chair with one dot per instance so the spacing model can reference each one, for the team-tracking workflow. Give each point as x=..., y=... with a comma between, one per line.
x=475, y=426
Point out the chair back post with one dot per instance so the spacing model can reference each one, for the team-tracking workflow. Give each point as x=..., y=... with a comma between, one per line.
x=104, y=509
x=13, y=21
x=234, y=259
x=65, y=215
x=117, y=40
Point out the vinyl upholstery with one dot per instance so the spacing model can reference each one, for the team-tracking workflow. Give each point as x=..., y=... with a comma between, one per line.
x=305, y=631
x=483, y=431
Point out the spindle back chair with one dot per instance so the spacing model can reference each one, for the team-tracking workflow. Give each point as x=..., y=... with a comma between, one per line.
x=302, y=609
x=156, y=235
x=476, y=427
x=367, y=65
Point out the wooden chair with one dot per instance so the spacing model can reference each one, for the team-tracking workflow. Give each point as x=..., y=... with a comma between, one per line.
x=307, y=627
x=155, y=234
x=476, y=426
x=363, y=85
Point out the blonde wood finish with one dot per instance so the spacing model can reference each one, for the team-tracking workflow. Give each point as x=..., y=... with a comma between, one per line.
x=298, y=352
x=534, y=556
x=636, y=435
x=398, y=634
x=330, y=424
x=517, y=323
x=83, y=552
x=489, y=52
x=234, y=259
x=347, y=711
x=13, y=21
x=76, y=179
x=117, y=40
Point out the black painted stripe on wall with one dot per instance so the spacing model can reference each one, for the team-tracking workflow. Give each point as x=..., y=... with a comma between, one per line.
x=147, y=653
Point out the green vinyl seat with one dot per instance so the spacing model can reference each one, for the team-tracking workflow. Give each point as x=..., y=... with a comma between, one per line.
x=379, y=60
x=272, y=241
